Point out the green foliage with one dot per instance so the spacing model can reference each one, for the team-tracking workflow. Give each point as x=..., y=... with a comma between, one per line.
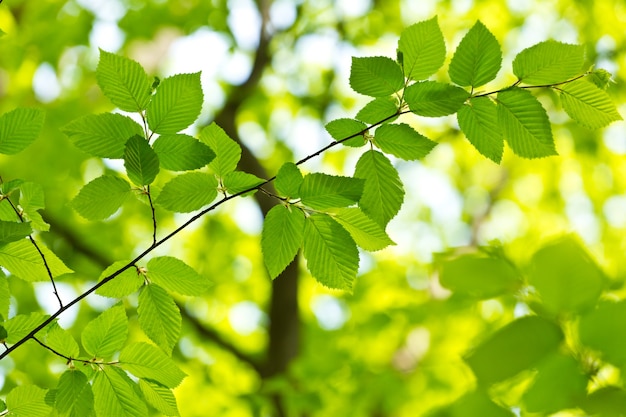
x=322, y=191
x=159, y=317
x=227, y=151
x=588, y=105
x=477, y=59
x=115, y=394
x=478, y=119
x=549, y=62
x=101, y=197
x=176, y=104
x=435, y=99
x=403, y=141
x=19, y=128
x=175, y=275
x=283, y=230
x=140, y=160
x=74, y=395
x=422, y=49
x=27, y=401
x=123, y=81
x=23, y=260
x=106, y=334
x=182, y=152
x=376, y=76
x=188, y=192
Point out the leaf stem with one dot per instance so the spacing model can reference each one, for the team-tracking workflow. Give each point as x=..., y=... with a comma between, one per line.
x=154, y=221
x=515, y=84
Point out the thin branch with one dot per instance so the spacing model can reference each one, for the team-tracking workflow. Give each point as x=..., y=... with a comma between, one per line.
x=532, y=86
x=154, y=221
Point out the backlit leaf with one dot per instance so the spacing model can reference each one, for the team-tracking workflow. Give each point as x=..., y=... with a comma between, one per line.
x=159, y=317
x=12, y=231
x=23, y=260
x=379, y=109
x=188, y=192
x=288, y=180
x=237, y=181
x=5, y=295
x=20, y=325
x=175, y=275
x=123, y=81
x=62, y=341
x=434, y=99
x=74, y=397
x=478, y=120
x=604, y=330
x=341, y=129
x=159, y=396
x=176, y=103
x=140, y=160
x=19, y=128
x=147, y=361
x=322, y=191
x=227, y=151
x=587, y=104
x=549, y=62
x=423, y=49
x=101, y=197
x=115, y=395
x=27, y=401
x=366, y=232
x=31, y=201
x=106, y=334
x=477, y=59
x=281, y=238
x=123, y=284
x=182, y=152
x=403, y=141
x=375, y=76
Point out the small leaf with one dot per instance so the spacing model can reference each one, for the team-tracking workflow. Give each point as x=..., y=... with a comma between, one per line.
x=188, y=192
x=423, y=49
x=601, y=78
x=237, y=181
x=19, y=326
x=106, y=334
x=588, y=105
x=379, y=109
x=322, y=191
x=126, y=283
x=159, y=396
x=146, y=361
x=477, y=59
x=281, y=238
x=27, y=401
x=115, y=395
x=227, y=151
x=288, y=180
x=62, y=341
x=340, y=129
x=175, y=275
x=19, y=128
x=140, y=161
x=403, y=141
x=101, y=197
x=549, y=62
x=478, y=120
x=366, y=232
x=182, y=152
x=23, y=260
x=176, y=103
x=375, y=76
x=74, y=397
x=123, y=81
x=434, y=99
x=13, y=231
x=159, y=317
x=32, y=200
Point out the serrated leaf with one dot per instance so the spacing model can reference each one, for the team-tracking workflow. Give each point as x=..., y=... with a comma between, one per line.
x=27, y=401
x=322, y=191
x=281, y=238
x=62, y=341
x=423, y=49
x=5, y=295
x=478, y=120
x=238, y=181
x=182, y=152
x=340, y=129
x=140, y=161
x=188, y=192
x=74, y=397
x=376, y=76
x=106, y=334
x=288, y=180
x=23, y=260
x=176, y=103
x=160, y=397
x=123, y=284
x=525, y=124
x=477, y=59
x=379, y=109
x=364, y=231
x=175, y=275
x=403, y=141
x=101, y=197
x=518, y=346
x=227, y=151
x=147, y=361
x=103, y=135
x=31, y=201
x=587, y=104
x=20, y=325
x=13, y=231
x=549, y=62
x=383, y=192
x=159, y=317
x=123, y=81
x=600, y=78
x=434, y=99
x=115, y=395
x=19, y=128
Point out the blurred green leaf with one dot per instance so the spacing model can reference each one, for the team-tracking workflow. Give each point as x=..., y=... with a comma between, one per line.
x=19, y=128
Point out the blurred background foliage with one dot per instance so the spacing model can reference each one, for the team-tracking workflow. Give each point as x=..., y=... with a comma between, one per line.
x=273, y=73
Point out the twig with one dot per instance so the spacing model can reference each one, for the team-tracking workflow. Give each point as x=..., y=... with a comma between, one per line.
x=154, y=221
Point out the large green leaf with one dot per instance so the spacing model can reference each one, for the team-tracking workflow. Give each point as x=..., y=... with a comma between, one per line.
x=147, y=361
x=376, y=76
x=175, y=275
x=238, y=181
x=341, y=129
x=27, y=401
x=159, y=396
x=31, y=201
x=366, y=232
x=478, y=120
x=331, y=254
x=13, y=231
x=101, y=197
x=607, y=401
x=281, y=238
x=115, y=395
x=477, y=59
x=62, y=341
x=123, y=81
x=227, y=151
x=322, y=191
x=188, y=192
x=140, y=160
x=475, y=403
x=103, y=135
x=105, y=335
x=422, y=48
x=20, y=325
x=379, y=109
x=587, y=104
x=159, y=317
x=19, y=128
x=525, y=124
x=123, y=284
x=176, y=103
x=383, y=192
x=74, y=397
x=22, y=259
x=403, y=141
x=604, y=330
x=288, y=180
x=549, y=62
x=182, y=152
x=434, y=99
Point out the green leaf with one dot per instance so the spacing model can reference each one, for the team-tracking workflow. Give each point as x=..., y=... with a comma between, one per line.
x=124, y=284
x=518, y=346
x=379, y=109
x=364, y=231
x=423, y=49
x=31, y=201
x=22, y=259
x=383, y=192
x=19, y=128
x=281, y=238
x=604, y=330
x=434, y=99
x=123, y=81
x=608, y=401
x=477, y=59
x=600, y=77
x=525, y=124
x=27, y=401
x=5, y=295
x=227, y=151
x=62, y=341
x=182, y=152
x=478, y=276
x=159, y=317
x=322, y=191
x=588, y=105
x=376, y=76
x=115, y=395
x=106, y=334
x=147, y=361
x=13, y=231
x=341, y=129
x=478, y=120
x=20, y=325
x=237, y=181
x=3, y=338
x=175, y=275
x=103, y=135
x=101, y=197
x=159, y=396
x=330, y=253
x=188, y=192
x=549, y=62
x=288, y=180
x=475, y=403
x=140, y=161
x=176, y=103
x=403, y=141
x=74, y=397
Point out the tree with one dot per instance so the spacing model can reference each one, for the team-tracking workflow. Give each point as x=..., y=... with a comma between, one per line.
x=522, y=317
